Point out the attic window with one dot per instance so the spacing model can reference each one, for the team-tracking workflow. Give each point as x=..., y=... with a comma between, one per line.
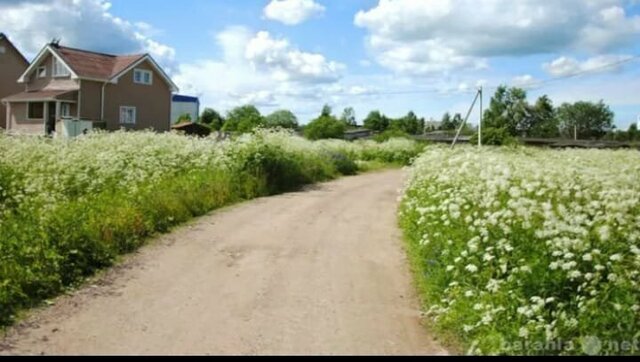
x=59, y=69
x=41, y=72
x=141, y=76
x=3, y=50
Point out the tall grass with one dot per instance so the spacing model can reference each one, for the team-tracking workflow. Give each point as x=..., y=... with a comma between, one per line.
x=69, y=208
x=522, y=251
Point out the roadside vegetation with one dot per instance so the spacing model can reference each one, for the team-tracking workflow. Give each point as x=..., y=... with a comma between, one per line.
x=527, y=251
x=70, y=208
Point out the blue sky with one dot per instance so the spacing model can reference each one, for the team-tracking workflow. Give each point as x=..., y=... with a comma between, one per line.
x=394, y=55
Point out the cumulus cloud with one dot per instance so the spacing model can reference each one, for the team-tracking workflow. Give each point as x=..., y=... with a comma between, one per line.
x=259, y=69
x=425, y=36
x=86, y=24
x=567, y=66
x=525, y=81
x=287, y=63
x=292, y=12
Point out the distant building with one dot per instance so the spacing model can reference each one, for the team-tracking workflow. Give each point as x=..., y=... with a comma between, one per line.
x=181, y=105
x=12, y=65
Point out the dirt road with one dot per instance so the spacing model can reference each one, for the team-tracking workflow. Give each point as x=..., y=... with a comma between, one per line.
x=314, y=272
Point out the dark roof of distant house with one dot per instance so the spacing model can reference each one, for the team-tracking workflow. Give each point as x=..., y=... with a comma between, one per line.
x=185, y=99
x=95, y=65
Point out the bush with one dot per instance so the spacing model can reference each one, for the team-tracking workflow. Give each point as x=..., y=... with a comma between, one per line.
x=391, y=134
x=495, y=137
x=325, y=127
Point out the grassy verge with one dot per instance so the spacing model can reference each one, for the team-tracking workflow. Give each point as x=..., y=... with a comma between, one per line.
x=69, y=209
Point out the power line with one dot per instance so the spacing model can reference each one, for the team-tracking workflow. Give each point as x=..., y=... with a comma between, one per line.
x=539, y=84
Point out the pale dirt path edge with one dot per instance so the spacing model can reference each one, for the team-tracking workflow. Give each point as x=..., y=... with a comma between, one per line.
x=316, y=272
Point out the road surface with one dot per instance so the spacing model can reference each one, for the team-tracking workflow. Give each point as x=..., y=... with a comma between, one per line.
x=320, y=271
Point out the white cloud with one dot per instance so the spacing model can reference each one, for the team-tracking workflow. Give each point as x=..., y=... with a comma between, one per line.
x=86, y=24
x=289, y=64
x=567, y=66
x=426, y=36
x=259, y=69
x=292, y=12
x=525, y=81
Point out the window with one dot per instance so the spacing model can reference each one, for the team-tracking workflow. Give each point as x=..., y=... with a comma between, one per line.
x=3, y=50
x=141, y=76
x=65, y=110
x=128, y=115
x=59, y=69
x=41, y=72
x=35, y=110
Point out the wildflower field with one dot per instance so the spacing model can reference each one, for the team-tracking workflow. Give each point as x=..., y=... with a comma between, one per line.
x=69, y=208
x=528, y=251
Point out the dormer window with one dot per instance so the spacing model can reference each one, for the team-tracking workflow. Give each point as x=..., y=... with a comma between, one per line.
x=141, y=76
x=41, y=72
x=59, y=69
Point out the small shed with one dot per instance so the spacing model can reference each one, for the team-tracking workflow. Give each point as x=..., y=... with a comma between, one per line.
x=181, y=105
x=192, y=129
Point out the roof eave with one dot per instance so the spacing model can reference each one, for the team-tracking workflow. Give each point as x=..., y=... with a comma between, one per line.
x=174, y=88
x=39, y=58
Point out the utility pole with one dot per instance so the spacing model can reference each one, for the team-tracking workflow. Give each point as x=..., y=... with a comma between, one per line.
x=464, y=123
x=481, y=116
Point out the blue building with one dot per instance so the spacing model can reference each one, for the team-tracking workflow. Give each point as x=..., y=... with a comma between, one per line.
x=181, y=105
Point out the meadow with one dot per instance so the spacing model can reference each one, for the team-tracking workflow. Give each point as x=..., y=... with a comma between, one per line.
x=70, y=208
x=527, y=251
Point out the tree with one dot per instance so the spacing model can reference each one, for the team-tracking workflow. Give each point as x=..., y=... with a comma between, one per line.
x=633, y=133
x=212, y=118
x=544, y=123
x=447, y=123
x=585, y=120
x=326, y=110
x=324, y=127
x=349, y=117
x=243, y=119
x=376, y=121
x=409, y=124
x=508, y=110
x=185, y=118
x=457, y=121
x=282, y=119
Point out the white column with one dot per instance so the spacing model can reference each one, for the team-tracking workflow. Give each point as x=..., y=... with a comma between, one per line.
x=8, y=115
x=55, y=123
x=46, y=117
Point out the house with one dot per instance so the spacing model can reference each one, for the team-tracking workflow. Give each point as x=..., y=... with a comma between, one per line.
x=12, y=65
x=182, y=105
x=64, y=86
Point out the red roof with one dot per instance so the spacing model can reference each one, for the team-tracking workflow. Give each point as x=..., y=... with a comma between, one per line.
x=88, y=64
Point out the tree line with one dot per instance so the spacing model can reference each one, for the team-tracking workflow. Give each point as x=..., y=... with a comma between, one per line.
x=510, y=115
x=246, y=118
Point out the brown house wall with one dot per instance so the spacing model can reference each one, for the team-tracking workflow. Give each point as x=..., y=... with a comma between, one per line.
x=152, y=102
x=90, y=100
x=12, y=65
